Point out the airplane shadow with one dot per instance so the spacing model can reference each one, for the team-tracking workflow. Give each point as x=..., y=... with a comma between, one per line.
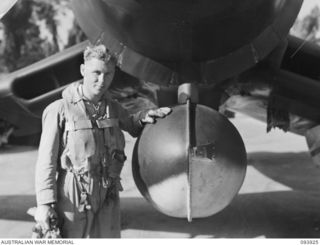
x=12, y=149
x=288, y=214
x=15, y=207
x=295, y=170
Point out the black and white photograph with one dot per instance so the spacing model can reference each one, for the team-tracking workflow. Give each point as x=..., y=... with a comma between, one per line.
x=159, y=119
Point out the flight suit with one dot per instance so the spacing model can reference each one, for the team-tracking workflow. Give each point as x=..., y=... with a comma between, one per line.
x=80, y=158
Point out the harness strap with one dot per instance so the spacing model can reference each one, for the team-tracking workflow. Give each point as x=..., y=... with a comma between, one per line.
x=88, y=124
x=80, y=124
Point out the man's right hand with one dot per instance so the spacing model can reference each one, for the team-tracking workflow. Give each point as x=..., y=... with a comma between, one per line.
x=43, y=215
x=151, y=115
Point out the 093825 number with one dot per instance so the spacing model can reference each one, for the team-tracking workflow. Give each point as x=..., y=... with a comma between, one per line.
x=307, y=242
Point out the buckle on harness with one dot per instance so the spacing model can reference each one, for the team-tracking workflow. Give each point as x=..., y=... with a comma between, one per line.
x=84, y=204
x=118, y=155
x=105, y=182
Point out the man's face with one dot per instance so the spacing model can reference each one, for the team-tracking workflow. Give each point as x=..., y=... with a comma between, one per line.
x=97, y=76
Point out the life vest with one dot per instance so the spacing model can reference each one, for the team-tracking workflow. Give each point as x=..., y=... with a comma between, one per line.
x=94, y=158
x=81, y=154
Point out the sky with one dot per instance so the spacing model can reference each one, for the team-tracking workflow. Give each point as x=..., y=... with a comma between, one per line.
x=307, y=6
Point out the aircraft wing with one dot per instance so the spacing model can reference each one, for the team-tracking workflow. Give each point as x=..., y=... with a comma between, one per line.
x=25, y=93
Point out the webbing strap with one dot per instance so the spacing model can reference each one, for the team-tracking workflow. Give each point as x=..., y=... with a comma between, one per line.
x=76, y=125
x=87, y=124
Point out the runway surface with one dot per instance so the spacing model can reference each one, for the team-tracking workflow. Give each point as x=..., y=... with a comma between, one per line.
x=280, y=197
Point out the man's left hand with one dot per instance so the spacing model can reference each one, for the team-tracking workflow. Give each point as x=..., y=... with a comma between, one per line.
x=156, y=113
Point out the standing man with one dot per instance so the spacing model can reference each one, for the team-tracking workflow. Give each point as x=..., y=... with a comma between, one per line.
x=81, y=153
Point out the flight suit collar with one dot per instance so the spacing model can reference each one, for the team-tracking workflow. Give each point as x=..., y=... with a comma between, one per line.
x=73, y=94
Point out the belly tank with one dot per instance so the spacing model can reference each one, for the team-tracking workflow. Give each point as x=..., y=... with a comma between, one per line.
x=201, y=40
x=190, y=164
